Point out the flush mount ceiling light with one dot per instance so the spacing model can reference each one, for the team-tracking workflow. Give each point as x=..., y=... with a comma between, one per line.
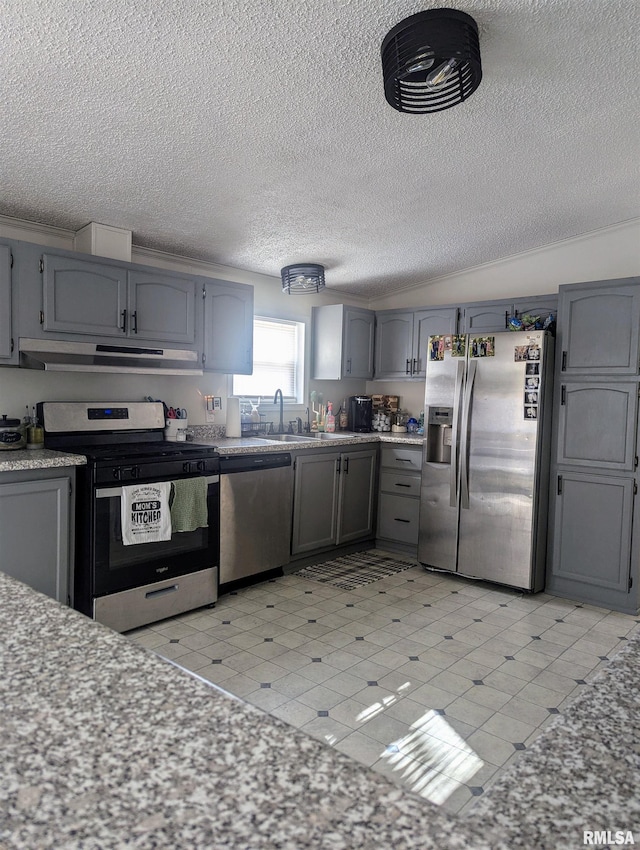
x=431, y=61
x=302, y=278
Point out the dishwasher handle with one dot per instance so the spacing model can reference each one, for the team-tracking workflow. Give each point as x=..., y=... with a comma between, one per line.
x=252, y=462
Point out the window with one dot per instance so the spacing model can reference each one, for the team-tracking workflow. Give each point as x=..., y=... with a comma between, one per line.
x=278, y=358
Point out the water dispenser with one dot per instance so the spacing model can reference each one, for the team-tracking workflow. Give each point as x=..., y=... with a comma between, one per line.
x=439, y=434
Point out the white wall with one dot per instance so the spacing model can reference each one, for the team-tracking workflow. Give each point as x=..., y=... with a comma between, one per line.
x=602, y=255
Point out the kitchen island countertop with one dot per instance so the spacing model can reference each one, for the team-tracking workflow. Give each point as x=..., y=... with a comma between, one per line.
x=106, y=745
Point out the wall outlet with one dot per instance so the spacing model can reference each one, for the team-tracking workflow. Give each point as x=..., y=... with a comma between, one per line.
x=211, y=404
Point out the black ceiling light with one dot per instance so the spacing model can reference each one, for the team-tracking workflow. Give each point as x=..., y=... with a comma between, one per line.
x=302, y=278
x=431, y=61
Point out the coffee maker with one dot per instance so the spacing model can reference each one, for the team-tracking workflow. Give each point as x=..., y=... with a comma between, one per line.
x=360, y=413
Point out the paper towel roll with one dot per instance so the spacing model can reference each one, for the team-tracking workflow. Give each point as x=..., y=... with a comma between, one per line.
x=233, y=418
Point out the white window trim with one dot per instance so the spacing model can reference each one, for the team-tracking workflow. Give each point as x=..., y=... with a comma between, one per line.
x=300, y=377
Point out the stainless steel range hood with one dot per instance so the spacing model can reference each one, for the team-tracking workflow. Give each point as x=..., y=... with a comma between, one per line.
x=58, y=356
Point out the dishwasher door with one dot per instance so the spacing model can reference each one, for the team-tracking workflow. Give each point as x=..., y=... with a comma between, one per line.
x=256, y=499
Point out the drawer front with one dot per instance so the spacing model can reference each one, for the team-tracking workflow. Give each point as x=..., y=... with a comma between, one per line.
x=399, y=457
x=398, y=518
x=400, y=485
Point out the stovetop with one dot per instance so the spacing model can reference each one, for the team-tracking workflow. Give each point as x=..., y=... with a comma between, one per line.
x=124, y=452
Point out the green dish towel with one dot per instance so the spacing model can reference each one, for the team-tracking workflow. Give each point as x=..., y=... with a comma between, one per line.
x=189, y=504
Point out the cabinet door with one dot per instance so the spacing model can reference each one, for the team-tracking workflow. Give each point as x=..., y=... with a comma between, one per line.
x=356, y=492
x=40, y=559
x=83, y=297
x=426, y=323
x=359, y=326
x=315, y=502
x=592, y=534
x=162, y=307
x=537, y=305
x=5, y=302
x=394, y=345
x=597, y=425
x=598, y=329
x=486, y=317
x=228, y=328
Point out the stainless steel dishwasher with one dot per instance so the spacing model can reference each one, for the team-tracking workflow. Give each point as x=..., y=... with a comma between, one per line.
x=256, y=493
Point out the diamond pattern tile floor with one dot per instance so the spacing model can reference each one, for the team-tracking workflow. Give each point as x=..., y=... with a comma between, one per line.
x=435, y=681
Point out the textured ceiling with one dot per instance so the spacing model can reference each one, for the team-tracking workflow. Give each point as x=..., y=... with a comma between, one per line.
x=255, y=133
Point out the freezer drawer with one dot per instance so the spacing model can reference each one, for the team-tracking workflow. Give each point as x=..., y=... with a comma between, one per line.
x=398, y=518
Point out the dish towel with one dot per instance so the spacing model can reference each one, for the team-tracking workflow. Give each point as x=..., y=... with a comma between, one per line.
x=189, y=504
x=144, y=513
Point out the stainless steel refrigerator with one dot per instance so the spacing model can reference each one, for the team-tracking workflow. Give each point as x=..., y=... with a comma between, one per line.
x=484, y=492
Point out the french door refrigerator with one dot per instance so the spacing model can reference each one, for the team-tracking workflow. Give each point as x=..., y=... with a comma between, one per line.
x=484, y=491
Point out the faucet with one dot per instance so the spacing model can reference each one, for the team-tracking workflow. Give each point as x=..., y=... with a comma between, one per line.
x=275, y=401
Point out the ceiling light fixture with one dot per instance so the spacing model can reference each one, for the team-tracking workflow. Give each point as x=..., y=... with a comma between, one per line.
x=302, y=278
x=431, y=61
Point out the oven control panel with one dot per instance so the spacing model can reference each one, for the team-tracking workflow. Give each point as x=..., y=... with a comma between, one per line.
x=107, y=413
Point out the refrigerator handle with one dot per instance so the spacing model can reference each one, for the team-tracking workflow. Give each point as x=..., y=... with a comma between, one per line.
x=455, y=455
x=464, y=443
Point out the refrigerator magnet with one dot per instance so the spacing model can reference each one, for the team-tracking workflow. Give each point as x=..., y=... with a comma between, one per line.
x=532, y=369
x=533, y=352
x=532, y=382
x=448, y=342
x=531, y=397
x=458, y=345
x=520, y=353
x=530, y=411
x=483, y=346
x=436, y=348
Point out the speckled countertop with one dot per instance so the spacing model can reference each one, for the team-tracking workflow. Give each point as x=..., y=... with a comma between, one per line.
x=105, y=745
x=38, y=459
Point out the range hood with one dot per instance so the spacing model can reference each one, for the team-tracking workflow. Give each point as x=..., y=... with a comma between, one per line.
x=57, y=356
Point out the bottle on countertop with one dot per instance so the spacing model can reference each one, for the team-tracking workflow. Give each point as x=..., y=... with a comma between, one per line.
x=343, y=416
x=330, y=422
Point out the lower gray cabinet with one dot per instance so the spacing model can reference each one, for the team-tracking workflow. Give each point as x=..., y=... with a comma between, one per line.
x=399, y=501
x=592, y=536
x=35, y=529
x=333, y=499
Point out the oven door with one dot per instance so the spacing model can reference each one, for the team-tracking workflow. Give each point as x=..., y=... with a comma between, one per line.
x=118, y=567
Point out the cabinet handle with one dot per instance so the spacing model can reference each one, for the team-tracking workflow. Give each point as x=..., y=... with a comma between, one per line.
x=404, y=485
x=123, y=326
x=404, y=460
x=349, y=366
x=338, y=464
x=407, y=368
x=346, y=466
x=563, y=368
x=559, y=485
x=563, y=394
x=506, y=320
x=134, y=316
x=398, y=519
x=414, y=367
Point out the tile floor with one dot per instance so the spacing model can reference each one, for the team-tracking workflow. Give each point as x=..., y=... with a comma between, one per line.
x=435, y=681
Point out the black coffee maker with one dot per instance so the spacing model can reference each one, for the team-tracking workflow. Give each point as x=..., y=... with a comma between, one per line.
x=360, y=413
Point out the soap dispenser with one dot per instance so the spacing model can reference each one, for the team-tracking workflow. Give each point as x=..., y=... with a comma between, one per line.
x=330, y=423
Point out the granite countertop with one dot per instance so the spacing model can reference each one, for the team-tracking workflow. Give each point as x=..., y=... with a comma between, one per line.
x=258, y=445
x=106, y=745
x=11, y=461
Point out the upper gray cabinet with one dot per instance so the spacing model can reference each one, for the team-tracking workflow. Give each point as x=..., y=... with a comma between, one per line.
x=104, y=299
x=598, y=327
x=402, y=337
x=483, y=317
x=6, y=338
x=342, y=343
x=228, y=327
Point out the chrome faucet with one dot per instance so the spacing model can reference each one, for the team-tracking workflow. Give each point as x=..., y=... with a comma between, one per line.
x=275, y=401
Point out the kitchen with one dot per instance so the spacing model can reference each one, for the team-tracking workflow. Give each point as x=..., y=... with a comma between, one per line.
x=601, y=254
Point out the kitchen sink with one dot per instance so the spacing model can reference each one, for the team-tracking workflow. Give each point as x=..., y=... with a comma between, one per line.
x=288, y=438
x=312, y=435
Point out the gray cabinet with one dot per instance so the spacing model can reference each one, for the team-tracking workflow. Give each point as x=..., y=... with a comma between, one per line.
x=484, y=317
x=402, y=338
x=593, y=522
x=597, y=425
x=598, y=327
x=342, y=342
x=36, y=529
x=228, y=328
x=104, y=299
x=333, y=499
x=6, y=334
x=399, y=500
